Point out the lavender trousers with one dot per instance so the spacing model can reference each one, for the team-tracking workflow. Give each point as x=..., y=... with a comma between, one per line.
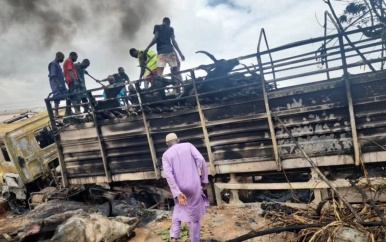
x=194, y=230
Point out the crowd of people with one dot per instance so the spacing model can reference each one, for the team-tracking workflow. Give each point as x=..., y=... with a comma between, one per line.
x=151, y=64
x=182, y=160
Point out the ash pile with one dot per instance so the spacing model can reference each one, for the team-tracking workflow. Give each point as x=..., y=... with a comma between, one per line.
x=84, y=214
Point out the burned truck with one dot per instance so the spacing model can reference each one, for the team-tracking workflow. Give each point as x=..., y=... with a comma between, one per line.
x=28, y=155
x=237, y=113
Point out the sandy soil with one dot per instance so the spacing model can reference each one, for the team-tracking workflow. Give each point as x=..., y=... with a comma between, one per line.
x=220, y=223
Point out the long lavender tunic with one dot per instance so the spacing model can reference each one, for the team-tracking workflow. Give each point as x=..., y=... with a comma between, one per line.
x=180, y=164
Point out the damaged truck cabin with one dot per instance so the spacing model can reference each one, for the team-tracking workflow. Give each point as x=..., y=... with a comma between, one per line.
x=332, y=101
x=28, y=153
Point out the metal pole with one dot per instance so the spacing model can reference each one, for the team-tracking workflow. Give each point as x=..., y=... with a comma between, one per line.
x=204, y=129
x=325, y=45
x=100, y=139
x=357, y=152
x=269, y=53
x=59, y=149
x=149, y=138
x=267, y=109
x=341, y=32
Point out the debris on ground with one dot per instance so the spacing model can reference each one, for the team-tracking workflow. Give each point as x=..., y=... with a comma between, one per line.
x=335, y=223
x=85, y=227
x=220, y=223
x=60, y=220
x=107, y=215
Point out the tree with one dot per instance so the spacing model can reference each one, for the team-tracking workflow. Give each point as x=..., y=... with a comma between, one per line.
x=362, y=14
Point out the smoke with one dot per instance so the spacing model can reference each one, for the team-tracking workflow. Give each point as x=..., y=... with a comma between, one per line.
x=32, y=31
x=56, y=21
x=51, y=24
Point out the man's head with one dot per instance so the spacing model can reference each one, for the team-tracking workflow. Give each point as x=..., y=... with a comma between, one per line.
x=171, y=139
x=134, y=52
x=73, y=56
x=110, y=78
x=166, y=21
x=121, y=70
x=59, y=57
x=85, y=63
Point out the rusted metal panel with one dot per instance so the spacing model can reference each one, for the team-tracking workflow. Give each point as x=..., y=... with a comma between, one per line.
x=370, y=116
x=267, y=103
x=59, y=150
x=151, y=146
x=203, y=125
x=357, y=152
x=101, y=142
x=187, y=125
x=317, y=116
x=27, y=157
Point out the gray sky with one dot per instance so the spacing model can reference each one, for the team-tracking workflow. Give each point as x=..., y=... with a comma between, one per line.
x=32, y=31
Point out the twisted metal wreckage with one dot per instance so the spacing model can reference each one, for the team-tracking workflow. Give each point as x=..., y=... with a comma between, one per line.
x=236, y=115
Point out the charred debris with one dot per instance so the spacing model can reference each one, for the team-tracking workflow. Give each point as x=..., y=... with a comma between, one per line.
x=79, y=213
x=61, y=208
x=165, y=95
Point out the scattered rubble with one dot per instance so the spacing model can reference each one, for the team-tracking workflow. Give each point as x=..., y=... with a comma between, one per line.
x=336, y=223
x=122, y=220
x=85, y=227
x=61, y=220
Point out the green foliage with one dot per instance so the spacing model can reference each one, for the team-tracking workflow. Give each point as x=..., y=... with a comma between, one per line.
x=184, y=234
x=355, y=8
x=363, y=12
x=352, y=10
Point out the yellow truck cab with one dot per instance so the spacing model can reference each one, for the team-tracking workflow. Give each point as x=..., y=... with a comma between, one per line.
x=27, y=152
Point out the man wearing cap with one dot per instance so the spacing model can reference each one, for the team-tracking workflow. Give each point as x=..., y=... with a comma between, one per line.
x=180, y=163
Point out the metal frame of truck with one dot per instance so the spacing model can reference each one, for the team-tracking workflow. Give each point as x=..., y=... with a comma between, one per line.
x=337, y=117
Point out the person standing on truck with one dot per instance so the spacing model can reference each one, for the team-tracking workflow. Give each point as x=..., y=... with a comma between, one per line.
x=81, y=70
x=166, y=46
x=180, y=163
x=72, y=80
x=121, y=78
x=55, y=74
x=148, y=60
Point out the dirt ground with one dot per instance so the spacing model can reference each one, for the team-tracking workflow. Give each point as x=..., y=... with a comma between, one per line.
x=220, y=223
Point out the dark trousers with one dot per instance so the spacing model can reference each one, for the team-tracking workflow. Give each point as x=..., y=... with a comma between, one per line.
x=74, y=99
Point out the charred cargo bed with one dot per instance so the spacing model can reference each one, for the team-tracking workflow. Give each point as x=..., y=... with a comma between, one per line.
x=337, y=116
x=238, y=130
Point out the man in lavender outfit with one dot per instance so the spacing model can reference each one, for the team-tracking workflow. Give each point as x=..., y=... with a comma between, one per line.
x=181, y=163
